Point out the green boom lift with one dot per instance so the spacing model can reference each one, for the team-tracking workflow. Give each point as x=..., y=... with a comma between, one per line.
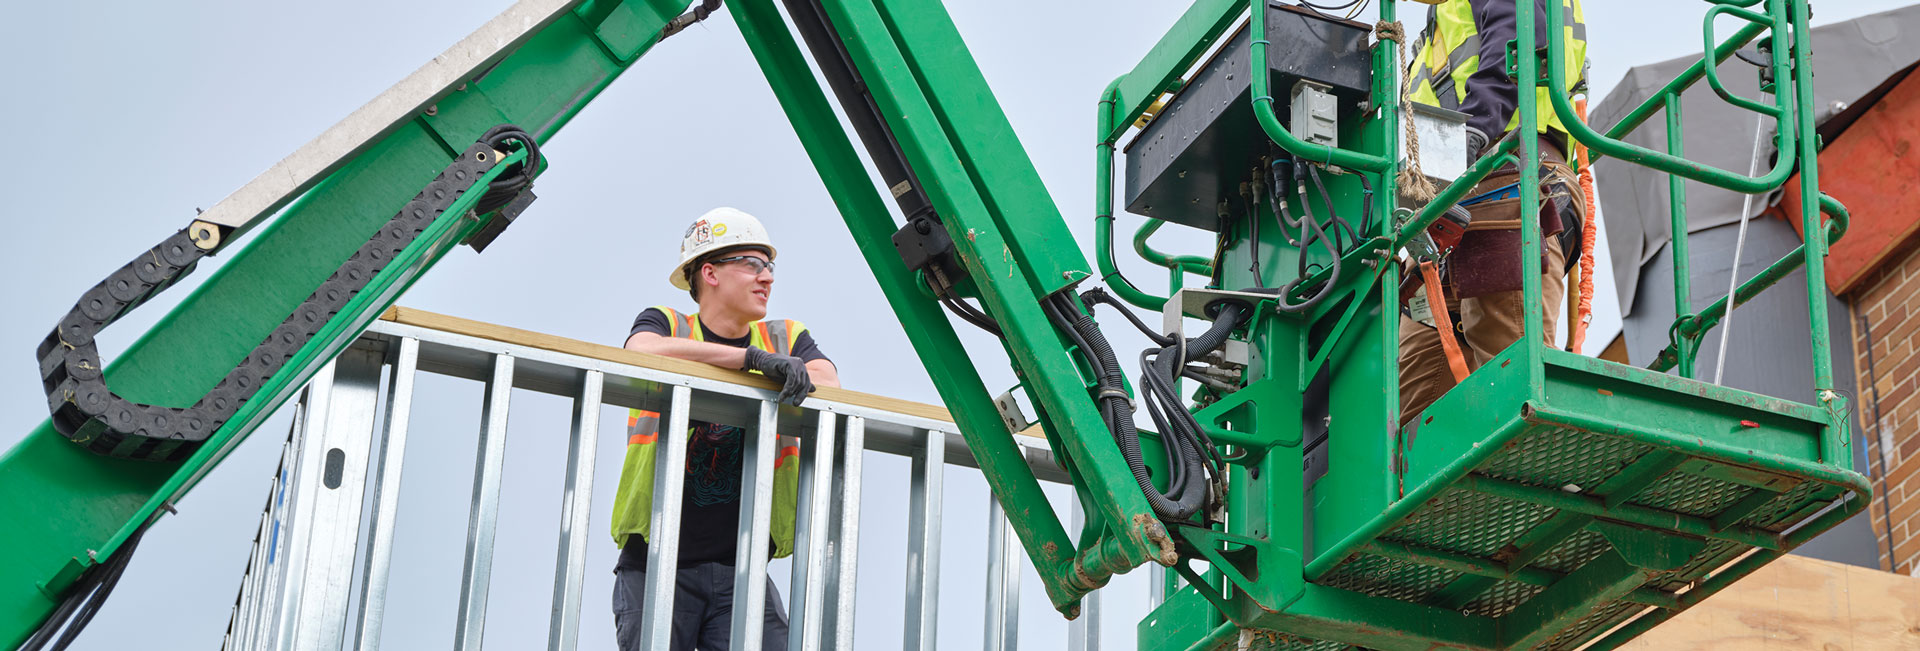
x=1549, y=501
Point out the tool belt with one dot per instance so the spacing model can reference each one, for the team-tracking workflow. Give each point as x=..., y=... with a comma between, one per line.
x=1486, y=258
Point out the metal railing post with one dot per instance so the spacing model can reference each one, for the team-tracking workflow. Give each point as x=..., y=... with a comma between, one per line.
x=330, y=482
x=756, y=527
x=925, y=494
x=810, y=558
x=570, y=570
x=844, y=543
x=663, y=544
x=386, y=496
x=477, y=565
x=1003, y=582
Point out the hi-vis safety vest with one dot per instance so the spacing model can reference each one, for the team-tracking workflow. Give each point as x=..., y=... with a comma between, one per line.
x=1449, y=52
x=633, y=504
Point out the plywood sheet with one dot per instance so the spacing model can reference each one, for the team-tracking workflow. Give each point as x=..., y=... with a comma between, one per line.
x=1800, y=603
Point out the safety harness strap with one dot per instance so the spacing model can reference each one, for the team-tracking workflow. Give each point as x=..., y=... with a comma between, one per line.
x=1443, y=319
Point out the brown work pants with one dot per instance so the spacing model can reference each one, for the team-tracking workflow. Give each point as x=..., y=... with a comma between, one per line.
x=1483, y=325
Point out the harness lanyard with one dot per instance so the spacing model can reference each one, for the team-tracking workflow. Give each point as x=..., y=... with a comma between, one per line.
x=1443, y=320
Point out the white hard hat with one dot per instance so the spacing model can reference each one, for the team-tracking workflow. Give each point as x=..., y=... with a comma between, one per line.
x=720, y=228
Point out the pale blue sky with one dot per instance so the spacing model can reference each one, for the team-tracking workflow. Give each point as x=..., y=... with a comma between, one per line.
x=125, y=116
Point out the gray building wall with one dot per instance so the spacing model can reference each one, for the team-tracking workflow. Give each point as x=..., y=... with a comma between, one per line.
x=1768, y=342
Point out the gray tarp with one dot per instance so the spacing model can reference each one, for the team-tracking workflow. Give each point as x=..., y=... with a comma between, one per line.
x=1850, y=59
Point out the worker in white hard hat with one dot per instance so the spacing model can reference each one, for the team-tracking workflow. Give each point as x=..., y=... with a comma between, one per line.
x=726, y=264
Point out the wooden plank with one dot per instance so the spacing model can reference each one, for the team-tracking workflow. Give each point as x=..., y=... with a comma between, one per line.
x=1883, y=143
x=1800, y=603
x=531, y=339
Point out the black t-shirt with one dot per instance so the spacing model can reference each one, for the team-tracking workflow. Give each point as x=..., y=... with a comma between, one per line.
x=710, y=510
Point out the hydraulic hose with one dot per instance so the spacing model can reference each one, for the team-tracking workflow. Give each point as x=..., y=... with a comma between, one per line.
x=1178, y=429
x=1098, y=295
x=1183, y=497
x=1310, y=230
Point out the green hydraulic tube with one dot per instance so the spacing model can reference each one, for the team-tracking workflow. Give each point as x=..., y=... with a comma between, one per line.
x=1192, y=264
x=1270, y=123
x=1103, y=218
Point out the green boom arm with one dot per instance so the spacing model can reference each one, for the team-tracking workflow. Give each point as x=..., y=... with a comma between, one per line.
x=558, y=55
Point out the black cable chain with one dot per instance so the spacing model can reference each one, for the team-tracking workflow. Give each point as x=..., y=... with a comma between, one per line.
x=92, y=415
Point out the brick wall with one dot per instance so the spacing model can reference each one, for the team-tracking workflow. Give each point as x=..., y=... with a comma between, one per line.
x=1886, y=356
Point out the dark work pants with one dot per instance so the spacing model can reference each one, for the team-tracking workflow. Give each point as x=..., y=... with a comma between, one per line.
x=702, y=610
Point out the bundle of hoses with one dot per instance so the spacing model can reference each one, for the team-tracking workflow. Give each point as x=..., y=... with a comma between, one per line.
x=1310, y=230
x=514, y=179
x=1192, y=462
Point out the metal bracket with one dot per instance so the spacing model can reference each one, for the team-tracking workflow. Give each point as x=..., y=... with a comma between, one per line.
x=1010, y=414
x=1192, y=302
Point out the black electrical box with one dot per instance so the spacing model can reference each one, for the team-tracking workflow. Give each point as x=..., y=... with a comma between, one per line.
x=1199, y=148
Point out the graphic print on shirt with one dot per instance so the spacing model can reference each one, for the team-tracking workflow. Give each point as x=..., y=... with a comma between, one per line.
x=714, y=454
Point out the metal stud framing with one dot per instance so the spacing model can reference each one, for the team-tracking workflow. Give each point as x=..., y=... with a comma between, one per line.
x=281, y=577
x=575, y=505
x=1003, y=582
x=476, y=570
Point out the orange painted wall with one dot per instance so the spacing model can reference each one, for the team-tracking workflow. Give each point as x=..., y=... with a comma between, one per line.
x=1873, y=167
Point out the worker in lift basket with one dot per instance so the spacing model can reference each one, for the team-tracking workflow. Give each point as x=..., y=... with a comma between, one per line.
x=1460, y=64
x=726, y=263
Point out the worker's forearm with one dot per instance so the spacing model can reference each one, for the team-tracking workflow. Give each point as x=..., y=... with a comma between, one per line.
x=823, y=373
x=688, y=349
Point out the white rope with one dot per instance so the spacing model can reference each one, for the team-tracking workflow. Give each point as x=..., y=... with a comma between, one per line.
x=1739, y=243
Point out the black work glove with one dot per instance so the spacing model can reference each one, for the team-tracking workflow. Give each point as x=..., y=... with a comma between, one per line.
x=786, y=368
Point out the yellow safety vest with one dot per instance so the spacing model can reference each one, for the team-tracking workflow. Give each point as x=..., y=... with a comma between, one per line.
x=1449, y=52
x=633, y=503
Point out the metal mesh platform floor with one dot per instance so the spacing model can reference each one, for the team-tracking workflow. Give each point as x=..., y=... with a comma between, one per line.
x=1526, y=519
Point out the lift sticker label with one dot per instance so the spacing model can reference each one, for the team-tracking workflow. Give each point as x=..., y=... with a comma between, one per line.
x=701, y=232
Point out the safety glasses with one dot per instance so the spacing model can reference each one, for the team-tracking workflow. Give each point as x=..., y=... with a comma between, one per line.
x=756, y=265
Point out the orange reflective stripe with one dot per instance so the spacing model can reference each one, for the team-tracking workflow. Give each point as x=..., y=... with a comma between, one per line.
x=635, y=437
x=787, y=451
x=765, y=339
x=673, y=321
